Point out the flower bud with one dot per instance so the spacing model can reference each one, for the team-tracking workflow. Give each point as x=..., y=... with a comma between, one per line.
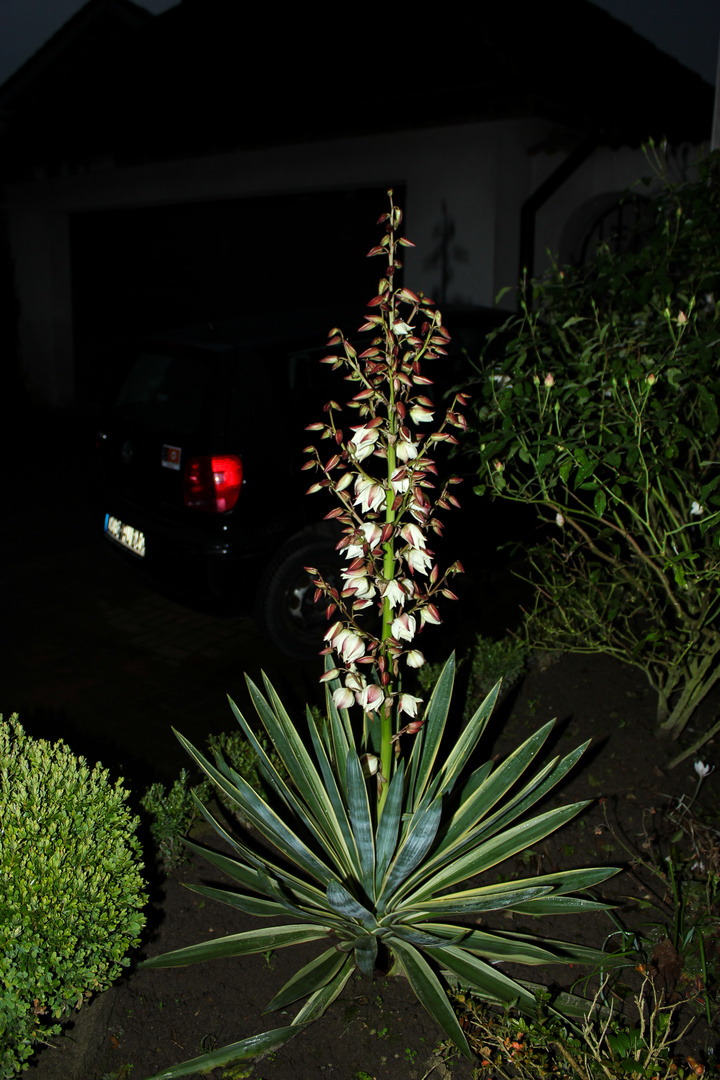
x=370, y=765
x=430, y=614
x=343, y=698
x=352, y=647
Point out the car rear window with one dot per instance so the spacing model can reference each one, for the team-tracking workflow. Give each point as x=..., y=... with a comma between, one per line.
x=166, y=392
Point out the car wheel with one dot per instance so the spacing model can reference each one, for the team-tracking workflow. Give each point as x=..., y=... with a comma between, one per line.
x=286, y=608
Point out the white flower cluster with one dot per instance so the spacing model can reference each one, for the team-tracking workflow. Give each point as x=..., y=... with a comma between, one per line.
x=380, y=473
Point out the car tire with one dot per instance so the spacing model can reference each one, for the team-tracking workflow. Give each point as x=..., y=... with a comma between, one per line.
x=286, y=609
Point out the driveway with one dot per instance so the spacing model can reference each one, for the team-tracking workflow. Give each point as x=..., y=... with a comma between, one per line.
x=92, y=654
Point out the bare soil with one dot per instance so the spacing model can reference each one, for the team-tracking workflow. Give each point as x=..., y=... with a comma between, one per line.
x=151, y=1020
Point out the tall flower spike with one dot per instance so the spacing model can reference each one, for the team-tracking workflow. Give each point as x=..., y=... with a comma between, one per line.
x=384, y=491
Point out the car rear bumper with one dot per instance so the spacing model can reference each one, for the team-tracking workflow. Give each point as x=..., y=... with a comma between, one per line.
x=210, y=562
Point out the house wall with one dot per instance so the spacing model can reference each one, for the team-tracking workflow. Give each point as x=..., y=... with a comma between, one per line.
x=605, y=173
x=464, y=188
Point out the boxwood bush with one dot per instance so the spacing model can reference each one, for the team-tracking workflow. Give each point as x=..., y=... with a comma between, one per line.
x=71, y=891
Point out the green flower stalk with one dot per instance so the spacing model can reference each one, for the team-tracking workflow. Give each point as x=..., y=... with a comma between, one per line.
x=381, y=476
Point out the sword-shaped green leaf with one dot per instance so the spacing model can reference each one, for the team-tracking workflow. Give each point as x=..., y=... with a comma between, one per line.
x=344, y=903
x=488, y=854
x=419, y=937
x=308, y=979
x=264, y=819
x=261, y=865
x=321, y=914
x=318, y=1003
x=433, y=727
x=543, y=782
x=429, y=991
x=490, y=898
x=250, y=941
x=464, y=747
x=414, y=764
x=291, y=748
x=491, y=983
x=264, y=761
x=562, y=905
x=244, y=1050
x=551, y=885
x=414, y=846
x=317, y=813
x=365, y=952
x=497, y=784
x=513, y=948
x=361, y=820
x=476, y=778
x=388, y=829
x=251, y=905
x=244, y=875
x=336, y=799
x=569, y=881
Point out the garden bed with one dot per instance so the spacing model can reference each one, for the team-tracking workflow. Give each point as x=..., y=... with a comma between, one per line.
x=155, y=1018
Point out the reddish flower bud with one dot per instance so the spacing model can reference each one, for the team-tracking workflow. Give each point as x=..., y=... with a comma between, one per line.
x=387, y=532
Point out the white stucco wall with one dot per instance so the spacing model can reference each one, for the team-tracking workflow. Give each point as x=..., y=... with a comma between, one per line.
x=605, y=171
x=470, y=180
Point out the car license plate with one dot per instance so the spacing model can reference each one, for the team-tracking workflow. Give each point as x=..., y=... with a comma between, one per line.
x=125, y=535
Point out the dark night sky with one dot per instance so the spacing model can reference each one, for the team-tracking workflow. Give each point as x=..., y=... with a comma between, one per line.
x=25, y=25
x=689, y=30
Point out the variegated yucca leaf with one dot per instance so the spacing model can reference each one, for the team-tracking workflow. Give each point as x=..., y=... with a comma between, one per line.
x=344, y=878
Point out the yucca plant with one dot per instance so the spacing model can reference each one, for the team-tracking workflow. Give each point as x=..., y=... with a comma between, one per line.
x=377, y=845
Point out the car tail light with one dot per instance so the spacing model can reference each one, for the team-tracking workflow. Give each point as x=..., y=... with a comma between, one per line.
x=212, y=483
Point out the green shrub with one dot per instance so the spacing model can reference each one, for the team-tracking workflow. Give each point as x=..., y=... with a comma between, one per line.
x=70, y=888
x=603, y=413
x=234, y=748
x=603, y=1044
x=173, y=810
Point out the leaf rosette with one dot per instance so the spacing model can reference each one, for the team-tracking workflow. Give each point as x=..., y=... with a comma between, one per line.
x=357, y=884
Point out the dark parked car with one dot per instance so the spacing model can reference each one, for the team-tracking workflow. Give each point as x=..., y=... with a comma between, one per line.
x=199, y=464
